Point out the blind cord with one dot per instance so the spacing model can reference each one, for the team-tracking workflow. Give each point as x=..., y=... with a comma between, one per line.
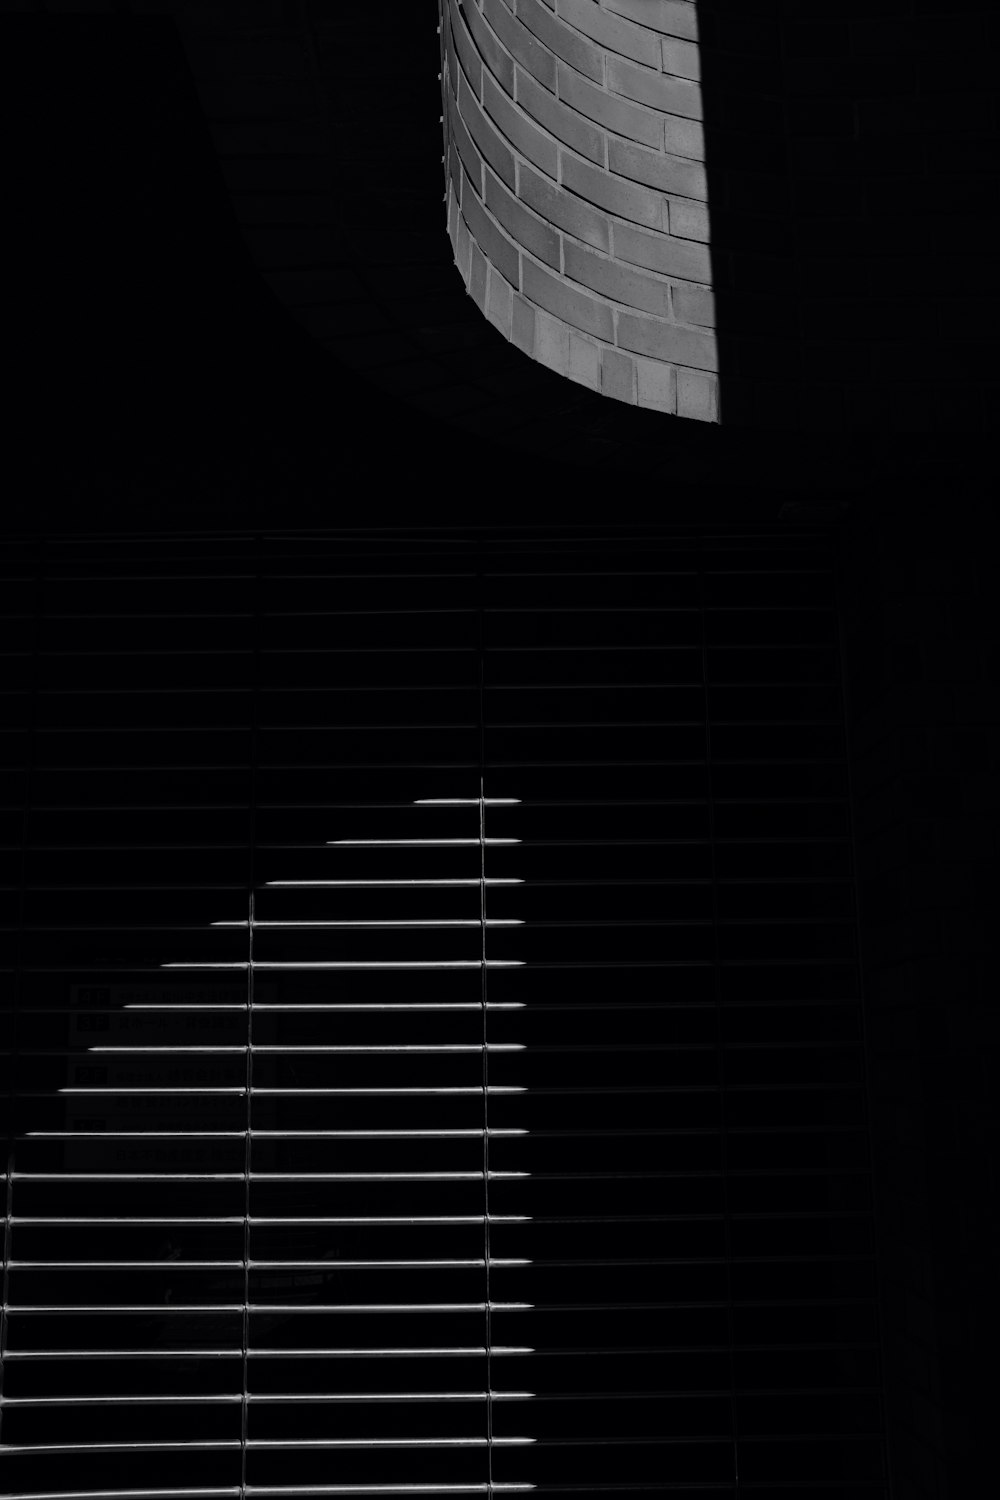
x=486, y=1145
x=720, y=1036
x=245, y=1411
x=486, y=1133
x=38, y=591
x=8, y=1215
x=865, y=1049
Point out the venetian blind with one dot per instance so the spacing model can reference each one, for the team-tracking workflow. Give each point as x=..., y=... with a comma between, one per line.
x=435, y=1040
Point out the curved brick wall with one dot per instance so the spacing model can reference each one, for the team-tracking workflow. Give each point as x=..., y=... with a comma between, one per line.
x=576, y=189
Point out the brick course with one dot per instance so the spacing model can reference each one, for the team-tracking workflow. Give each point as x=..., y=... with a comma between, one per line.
x=526, y=228
x=535, y=145
x=572, y=131
x=562, y=40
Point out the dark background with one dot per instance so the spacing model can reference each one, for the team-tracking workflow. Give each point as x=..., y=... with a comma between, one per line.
x=156, y=382
x=853, y=182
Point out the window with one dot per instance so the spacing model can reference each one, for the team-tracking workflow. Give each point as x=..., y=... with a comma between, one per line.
x=246, y=1239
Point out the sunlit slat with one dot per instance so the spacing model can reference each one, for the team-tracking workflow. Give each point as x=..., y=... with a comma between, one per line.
x=165, y=1309
x=306, y=1048
x=361, y=884
x=412, y=843
x=294, y=1007
x=388, y=922
x=415, y=963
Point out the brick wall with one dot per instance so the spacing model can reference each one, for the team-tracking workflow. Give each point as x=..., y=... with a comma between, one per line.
x=576, y=190
x=793, y=209
x=847, y=152
x=922, y=629
x=850, y=166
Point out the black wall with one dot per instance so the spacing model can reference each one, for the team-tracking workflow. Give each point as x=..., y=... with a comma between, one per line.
x=922, y=632
x=155, y=386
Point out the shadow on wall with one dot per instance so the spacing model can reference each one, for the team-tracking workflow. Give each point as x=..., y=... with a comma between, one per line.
x=142, y=342
x=852, y=164
x=853, y=200
x=851, y=183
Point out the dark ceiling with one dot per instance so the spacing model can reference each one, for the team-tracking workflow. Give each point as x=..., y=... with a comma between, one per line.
x=159, y=378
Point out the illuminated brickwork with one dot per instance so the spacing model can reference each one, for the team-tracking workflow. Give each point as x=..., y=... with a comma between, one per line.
x=576, y=189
